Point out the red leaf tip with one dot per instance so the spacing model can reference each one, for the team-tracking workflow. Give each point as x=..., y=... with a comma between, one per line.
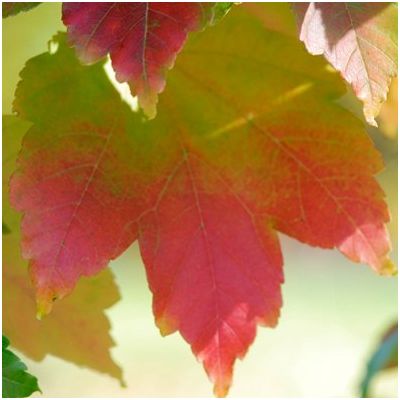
x=219, y=372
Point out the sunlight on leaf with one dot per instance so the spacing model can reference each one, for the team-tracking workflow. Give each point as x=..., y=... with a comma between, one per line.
x=359, y=40
x=122, y=88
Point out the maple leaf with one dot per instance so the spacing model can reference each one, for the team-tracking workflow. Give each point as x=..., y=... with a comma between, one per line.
x=16, y=382
x=142, y=39
x=237, y=152
x=12, y=8
x=359, y=40
x=78, y=325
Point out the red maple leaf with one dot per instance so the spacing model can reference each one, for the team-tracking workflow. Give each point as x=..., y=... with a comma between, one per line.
x=142, y=39
x=236, y=153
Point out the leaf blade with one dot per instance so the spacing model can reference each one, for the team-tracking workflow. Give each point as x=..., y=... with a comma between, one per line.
x=194, y=175
x=359, y=40
x=153, y=32
x=78, y=325
x=16, y=381
x=12, y=8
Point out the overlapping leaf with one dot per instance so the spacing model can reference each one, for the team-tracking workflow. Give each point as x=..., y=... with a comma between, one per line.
x=78, y=330
x=16, y=382
x=235, y=154
x=142, y=39
x=14, y=8
x=359, y=40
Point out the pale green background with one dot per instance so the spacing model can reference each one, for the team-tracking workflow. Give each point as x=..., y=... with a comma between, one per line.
x=333, y=314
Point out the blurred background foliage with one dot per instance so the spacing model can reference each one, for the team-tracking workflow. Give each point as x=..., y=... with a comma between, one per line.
x=334, y=311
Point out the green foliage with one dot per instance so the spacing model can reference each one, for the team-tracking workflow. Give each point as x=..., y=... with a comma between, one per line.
x=16, y=381
x=9, y=8
x=220, y=10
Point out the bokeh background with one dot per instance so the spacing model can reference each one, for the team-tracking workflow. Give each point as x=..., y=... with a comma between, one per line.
x=334, y=311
